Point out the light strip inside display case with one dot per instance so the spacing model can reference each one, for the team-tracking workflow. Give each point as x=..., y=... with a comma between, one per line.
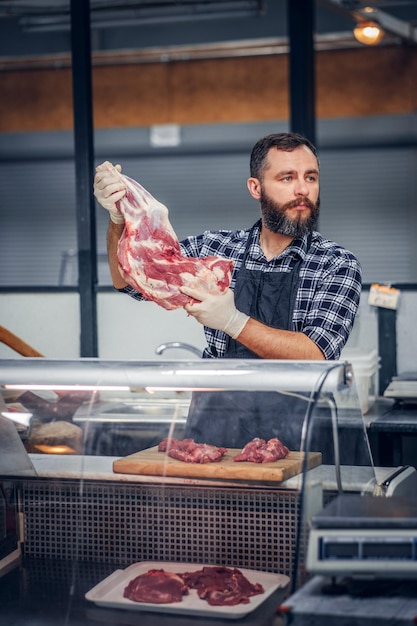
x=210, y=375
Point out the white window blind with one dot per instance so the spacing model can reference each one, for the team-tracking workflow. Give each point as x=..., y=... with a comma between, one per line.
x=367, y=198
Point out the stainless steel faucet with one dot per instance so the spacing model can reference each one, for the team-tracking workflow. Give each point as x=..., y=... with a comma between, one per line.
x=177, y=344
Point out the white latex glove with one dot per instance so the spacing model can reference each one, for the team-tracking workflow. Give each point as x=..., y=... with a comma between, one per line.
x=109, y=189
x=216, y=311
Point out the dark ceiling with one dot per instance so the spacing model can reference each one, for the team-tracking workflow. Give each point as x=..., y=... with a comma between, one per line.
x=31, y=28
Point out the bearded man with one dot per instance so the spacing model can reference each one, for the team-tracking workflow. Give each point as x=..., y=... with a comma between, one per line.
x=293, y=293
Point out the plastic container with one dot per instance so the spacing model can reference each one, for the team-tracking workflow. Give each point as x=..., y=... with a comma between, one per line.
x=366, y=374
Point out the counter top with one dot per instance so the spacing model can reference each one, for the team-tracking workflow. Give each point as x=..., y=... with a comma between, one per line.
x=392, y=431
x=358, y=603
x=393, y=416
x=74, y=467
x=51, y=593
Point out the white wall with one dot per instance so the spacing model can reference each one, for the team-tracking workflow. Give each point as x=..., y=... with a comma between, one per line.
x=131, y=330
x=365, y=332
x=127, y=329
x=407, y=332
x=48, y=322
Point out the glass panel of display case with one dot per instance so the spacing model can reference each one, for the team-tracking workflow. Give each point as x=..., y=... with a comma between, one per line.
x=91, y=407
x=88, y=482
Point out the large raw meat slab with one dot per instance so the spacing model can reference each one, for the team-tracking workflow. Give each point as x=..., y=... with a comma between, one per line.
x=150, y=462
x=149, y=253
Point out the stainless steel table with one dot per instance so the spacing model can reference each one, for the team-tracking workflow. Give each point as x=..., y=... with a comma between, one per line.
x=392, y=432
x=354, y=603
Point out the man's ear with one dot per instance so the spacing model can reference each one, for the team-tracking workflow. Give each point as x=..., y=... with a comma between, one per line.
x=254, y=186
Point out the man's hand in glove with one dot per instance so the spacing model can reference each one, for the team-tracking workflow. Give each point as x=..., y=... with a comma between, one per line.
x=109, y=189
x=216, y=311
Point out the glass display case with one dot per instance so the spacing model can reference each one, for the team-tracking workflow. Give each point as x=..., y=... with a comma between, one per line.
x=87, y=486
x=122, y=407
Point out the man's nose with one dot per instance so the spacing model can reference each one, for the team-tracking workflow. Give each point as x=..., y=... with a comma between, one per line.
x=301, y=187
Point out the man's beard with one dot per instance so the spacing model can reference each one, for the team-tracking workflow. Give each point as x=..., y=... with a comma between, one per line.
x=275, y=218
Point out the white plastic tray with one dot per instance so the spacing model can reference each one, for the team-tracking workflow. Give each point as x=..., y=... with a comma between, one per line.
x=109, y=592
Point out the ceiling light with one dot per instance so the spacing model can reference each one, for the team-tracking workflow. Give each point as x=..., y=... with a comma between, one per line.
x=368, y=33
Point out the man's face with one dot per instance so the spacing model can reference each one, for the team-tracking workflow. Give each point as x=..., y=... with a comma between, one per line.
x=289, y=192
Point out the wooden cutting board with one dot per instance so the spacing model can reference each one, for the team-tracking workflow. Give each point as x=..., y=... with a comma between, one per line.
x=150, y=462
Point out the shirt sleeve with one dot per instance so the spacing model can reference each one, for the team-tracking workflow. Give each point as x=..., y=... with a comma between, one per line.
x=136, y=295
x=334, y=305
x=191, y=246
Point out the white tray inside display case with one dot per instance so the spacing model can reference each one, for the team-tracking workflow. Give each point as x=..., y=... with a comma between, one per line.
x=109, y=592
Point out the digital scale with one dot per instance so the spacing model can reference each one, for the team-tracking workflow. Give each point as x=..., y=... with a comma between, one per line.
x=364, y=536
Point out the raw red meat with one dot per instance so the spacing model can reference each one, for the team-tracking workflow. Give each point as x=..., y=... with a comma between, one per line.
x=261, y=451
x=149, y=254
x=218, y=585
x=190, y=452
x=222, y=586
x=156, y=587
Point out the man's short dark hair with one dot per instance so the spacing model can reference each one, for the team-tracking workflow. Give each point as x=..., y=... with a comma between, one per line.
x=286, y=142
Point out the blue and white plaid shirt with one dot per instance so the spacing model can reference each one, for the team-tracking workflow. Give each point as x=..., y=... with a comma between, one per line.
x=328, y=292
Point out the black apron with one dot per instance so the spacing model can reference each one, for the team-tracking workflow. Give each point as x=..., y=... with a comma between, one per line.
x=232, y=418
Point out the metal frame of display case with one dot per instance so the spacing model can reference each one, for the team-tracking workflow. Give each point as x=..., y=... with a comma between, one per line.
x=207, y=374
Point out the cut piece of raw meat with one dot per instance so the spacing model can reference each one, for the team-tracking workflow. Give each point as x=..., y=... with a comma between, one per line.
x=190, y=452
x=149, y=254
x=156, y=587
x=261, y=451
x=222, y=586
x=217, y=585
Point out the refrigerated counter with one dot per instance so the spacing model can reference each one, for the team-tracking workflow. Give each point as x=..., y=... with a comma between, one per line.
x=77, y=509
